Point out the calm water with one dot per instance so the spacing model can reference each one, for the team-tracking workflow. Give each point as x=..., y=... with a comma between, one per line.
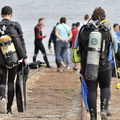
x=27, y=12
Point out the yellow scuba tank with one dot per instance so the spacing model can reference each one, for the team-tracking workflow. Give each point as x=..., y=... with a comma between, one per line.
x=8, y=50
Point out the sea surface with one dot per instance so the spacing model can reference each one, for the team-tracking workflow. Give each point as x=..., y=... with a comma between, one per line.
x=27, y=13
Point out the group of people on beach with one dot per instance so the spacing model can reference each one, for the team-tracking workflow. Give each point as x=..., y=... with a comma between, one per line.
x=63, y=53
x=64, y=38
x=94, y=72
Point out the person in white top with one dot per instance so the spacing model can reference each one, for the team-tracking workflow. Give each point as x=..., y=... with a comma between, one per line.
x=86, y=19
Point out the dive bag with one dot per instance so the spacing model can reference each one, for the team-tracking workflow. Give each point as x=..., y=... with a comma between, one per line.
x=93, y=55
x=8, y=50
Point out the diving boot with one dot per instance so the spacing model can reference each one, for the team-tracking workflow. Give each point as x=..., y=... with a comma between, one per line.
x=9, y=111
x=92, y=114
x=48, y=66
x=3, y=106
x=108, y=113
x=104, y=115
x=93, y=118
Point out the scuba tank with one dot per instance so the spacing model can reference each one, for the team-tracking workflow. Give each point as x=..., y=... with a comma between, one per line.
x=8, y=50
x=93, y=55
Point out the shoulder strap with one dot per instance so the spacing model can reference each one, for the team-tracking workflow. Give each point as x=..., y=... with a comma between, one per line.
x=65, y=29
x=13, y=25
x=79, y=37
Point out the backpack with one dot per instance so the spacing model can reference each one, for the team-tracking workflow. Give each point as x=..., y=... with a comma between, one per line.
x=53, y=36
x=90, y=67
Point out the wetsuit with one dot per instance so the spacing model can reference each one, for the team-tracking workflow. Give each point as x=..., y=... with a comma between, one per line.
x=39, y=45
x=11, y=72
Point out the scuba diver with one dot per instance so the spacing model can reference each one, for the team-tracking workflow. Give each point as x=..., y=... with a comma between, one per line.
x=38, y=42
x=94, y=41
x=12, y=50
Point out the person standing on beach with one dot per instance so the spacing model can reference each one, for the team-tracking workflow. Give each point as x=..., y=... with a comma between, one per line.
x=38, y=45
x=116, y=30
x=86, y=19
x=53, y=39
x=73, y=27
x=74, y=33
x=63, y=34
x=10, y=71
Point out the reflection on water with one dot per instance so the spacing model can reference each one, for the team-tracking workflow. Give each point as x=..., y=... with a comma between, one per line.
x=27, y=12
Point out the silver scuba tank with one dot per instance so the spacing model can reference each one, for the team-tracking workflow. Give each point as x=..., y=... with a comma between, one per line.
x=93, y=55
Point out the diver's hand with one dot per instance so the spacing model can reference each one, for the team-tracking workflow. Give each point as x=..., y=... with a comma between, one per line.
x=25, y=62
x=45, y=35
x=9, y=67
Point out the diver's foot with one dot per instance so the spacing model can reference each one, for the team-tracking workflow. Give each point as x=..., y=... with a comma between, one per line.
x=104, y=115
x=108, y=113
x=93, y=118
x=48, y=66
x=9, y=111
x=3, y=106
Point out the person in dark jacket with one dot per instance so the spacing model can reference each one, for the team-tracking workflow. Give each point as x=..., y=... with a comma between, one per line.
x=53, y=39
x=38, y=42
x=10, y=71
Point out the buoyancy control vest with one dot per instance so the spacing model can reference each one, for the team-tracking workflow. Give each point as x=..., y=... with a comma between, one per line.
x=94, y=41
x=13, y=29
x=10, y=30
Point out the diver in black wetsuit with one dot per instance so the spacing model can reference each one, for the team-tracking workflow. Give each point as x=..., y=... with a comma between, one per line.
x=38, y=42
x=104, y=70
x=6, y=14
